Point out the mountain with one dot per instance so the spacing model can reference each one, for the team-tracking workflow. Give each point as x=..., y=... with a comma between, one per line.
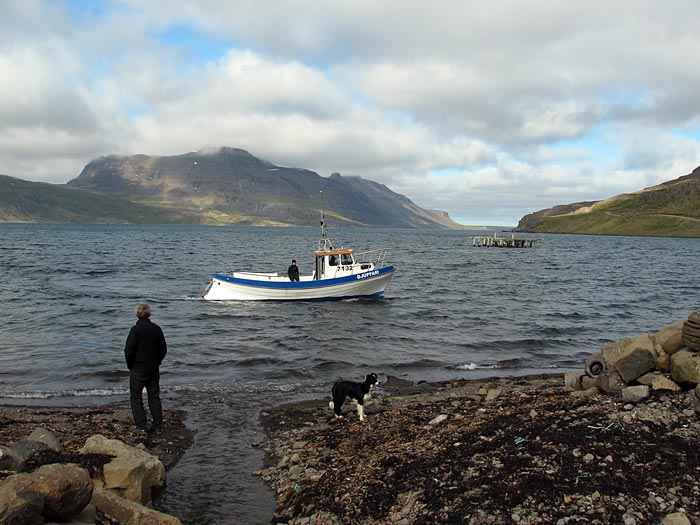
x=231, y=186
x=670, y=209
x=24, y=201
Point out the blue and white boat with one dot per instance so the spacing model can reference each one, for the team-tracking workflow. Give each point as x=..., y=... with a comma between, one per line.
x=338, y=274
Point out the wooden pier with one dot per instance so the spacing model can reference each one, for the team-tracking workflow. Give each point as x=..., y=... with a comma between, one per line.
x=503, y=242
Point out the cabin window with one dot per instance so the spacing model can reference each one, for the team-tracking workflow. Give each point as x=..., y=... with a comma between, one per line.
x=333, y=260
x=346, y=259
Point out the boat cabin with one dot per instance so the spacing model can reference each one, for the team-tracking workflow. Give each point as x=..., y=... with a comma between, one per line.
x=331, y=264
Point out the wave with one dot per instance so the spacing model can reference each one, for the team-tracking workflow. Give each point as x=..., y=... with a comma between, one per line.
x=94, y=392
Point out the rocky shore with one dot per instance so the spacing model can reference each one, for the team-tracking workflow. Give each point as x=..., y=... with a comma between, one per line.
x=84, y=465
x=504, y=450
x=617, y=442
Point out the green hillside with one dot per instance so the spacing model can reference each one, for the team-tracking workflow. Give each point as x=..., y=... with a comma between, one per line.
x=671, y=209
x=24, y=201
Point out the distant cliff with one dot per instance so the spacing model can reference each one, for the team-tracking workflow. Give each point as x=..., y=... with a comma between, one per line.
x=231, y=186
x=671, y=209
x=226, y=186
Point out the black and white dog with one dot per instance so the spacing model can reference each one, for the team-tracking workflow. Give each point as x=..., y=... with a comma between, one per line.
x=359, y=392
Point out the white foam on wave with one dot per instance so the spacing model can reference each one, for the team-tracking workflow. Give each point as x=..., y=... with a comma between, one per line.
x=95, y=392
x=474, y=366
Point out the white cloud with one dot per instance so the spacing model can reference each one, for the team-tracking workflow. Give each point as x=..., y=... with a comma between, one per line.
x=487, y=110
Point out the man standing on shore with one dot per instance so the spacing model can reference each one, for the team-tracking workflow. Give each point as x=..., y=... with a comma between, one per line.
x=144, y=351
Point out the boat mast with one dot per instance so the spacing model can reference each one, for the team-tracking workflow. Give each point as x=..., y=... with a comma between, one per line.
x=325, y=244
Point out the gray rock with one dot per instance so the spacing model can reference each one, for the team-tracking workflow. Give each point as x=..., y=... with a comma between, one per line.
x=48, y=438
x=647, y=379
x=635, y=394
x=673, y=344
x=663, y=336
x=9, y=460
x=636, y=361
x=572, y=380
x=610, y=382
x=24, y=448
x=611, y=351
x=685, y=367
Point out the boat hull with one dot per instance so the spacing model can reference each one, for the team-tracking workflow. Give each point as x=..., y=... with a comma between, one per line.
x=362, y=285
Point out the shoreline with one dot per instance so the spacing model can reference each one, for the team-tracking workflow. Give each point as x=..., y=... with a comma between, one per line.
x=489, y=451
x=511, y=449
x=73, y=424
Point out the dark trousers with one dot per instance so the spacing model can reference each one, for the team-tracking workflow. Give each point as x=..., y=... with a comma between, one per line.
x=137, y=382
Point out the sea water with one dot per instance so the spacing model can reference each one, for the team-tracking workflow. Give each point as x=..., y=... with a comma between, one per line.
x=451, y=311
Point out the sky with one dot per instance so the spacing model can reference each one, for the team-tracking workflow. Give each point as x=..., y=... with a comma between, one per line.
x=488, y=110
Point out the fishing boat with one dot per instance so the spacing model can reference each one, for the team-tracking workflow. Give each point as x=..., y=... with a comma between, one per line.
x=338, y=274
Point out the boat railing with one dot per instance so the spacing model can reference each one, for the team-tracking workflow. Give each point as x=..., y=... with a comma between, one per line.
x=375, y=257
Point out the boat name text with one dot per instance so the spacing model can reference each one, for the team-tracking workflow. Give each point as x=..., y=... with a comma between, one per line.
x=368, y=274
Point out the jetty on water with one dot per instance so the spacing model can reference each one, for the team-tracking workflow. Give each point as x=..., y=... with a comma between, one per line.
x=503, y=242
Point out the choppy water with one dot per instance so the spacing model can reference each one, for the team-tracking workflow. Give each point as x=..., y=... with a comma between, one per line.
x=451, y=311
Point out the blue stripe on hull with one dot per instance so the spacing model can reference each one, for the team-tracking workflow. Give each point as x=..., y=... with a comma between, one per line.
x=301, y=285
x=321, y=299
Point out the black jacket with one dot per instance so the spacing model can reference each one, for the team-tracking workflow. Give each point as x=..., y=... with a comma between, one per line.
x=293, y=272
x=145, y=347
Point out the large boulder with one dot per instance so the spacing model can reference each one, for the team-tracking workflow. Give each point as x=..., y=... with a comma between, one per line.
x=66, y=489
x=637, y=359
x=133, y=472
x=662, y=336
x=18, y=504
x=128, y=512
x=685, y=368
x=611, y=351
x=610, y=382
x=690, y=332
x=673, y=344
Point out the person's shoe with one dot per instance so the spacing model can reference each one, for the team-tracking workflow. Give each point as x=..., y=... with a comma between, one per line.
x=156, y=429
x=139, y=429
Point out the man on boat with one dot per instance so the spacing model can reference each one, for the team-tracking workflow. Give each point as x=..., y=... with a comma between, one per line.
x=293, y=271
x=144, y=352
